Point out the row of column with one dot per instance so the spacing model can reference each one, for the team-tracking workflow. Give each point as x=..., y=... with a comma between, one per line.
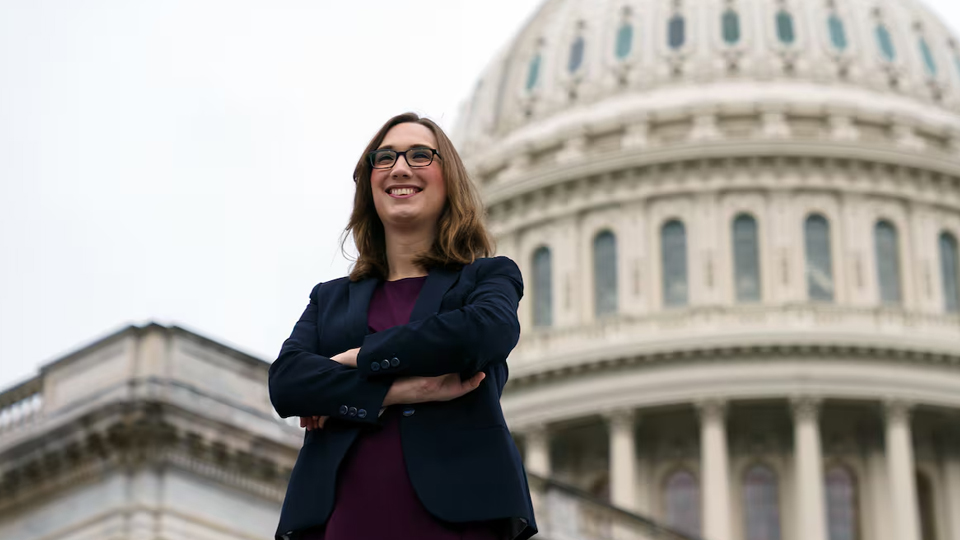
x=715, y=477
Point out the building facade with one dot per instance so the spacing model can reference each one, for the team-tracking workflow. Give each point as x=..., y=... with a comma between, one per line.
x=737, y=221
x=150, y=433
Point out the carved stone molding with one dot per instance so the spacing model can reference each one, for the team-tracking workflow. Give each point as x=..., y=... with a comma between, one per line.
x=712, y=410
x=136, y=436
x=621, y=418
x=805, y=408
x=897, y=411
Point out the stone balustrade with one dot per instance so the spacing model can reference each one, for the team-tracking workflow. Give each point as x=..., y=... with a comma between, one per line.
x=21, y=406
x=567, y=513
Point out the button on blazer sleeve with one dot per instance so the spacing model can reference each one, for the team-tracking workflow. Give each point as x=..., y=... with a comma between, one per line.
x=304, y=383
x=463, y=340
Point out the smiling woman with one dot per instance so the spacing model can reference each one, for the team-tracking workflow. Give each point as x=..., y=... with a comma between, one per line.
x=445, y=209
x=405, y=419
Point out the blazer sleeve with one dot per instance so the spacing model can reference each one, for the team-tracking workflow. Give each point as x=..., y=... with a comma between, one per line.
x=463, y=340
x=304, y=383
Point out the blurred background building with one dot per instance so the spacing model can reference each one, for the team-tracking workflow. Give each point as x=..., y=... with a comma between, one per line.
x=737, y=221
x=152, y=433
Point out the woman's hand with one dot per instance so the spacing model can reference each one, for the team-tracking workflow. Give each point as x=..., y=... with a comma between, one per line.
x=312, y=422
x=408, y=390
x=347, y=358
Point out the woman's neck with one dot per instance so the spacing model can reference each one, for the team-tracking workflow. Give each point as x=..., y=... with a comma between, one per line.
x=402, y=248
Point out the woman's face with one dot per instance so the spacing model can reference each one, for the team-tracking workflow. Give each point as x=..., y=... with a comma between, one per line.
x=423, y=199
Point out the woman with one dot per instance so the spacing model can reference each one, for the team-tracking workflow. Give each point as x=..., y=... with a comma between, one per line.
x=397, y=369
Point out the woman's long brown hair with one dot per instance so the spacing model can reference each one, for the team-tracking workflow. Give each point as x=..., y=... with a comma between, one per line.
x=462, y=236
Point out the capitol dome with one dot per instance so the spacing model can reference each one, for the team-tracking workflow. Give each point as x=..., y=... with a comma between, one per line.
x=737, y=222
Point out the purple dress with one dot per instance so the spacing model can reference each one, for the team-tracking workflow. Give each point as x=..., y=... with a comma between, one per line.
x=373, y=474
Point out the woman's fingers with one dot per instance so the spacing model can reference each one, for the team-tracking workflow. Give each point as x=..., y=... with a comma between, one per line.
x=452, y=387
x=312, y=422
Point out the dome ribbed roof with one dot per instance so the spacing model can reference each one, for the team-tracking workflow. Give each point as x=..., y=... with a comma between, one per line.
x=583, y=62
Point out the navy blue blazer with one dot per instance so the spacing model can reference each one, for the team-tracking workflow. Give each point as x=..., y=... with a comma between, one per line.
x=462, y=461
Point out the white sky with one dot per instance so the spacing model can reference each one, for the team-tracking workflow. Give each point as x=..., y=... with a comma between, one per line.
x=189, y=162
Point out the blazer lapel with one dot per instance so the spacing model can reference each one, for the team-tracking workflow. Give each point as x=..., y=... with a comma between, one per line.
x=356, y=321
x=438, y=282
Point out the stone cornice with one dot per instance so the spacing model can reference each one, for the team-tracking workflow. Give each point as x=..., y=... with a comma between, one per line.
x=116, y=337
x=547, y=375
x=709, y=159
x=141, y=434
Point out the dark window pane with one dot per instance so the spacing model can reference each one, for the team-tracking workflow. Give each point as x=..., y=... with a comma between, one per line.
x=746, y=259
x=624, y=40
x=731, y=27
x=838, y=34
x=928, y=59
x=533, y=72
x=676, y=32
x=888, y=262
x=576, y=55
x=885, y=41
x=673, y=256
x=785, y=27
x=542, y=288
x=605, y=273
x=948, y=270
x=841, y=495
x=927, y=505
x=681, y=503
x=761, y=504
x=819, y=266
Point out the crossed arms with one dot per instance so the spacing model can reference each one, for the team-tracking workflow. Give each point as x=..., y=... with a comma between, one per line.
x=460, y=342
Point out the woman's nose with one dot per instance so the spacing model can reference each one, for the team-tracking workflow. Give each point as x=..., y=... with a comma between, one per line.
x=401, y=167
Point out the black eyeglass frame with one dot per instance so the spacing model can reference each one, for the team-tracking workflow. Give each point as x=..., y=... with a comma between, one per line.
x=433, y=152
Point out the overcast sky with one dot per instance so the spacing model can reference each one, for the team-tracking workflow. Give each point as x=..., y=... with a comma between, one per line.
x=189, y=162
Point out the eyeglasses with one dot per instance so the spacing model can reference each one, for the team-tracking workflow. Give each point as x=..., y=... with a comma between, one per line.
x=418, y=156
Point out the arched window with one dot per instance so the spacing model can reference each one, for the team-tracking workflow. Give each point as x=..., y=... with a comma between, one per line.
x=888, y=262
x=681, y=503
x=949, y=272
x=624, y=40
x=576, y=55
x=533, y=72
x=676, y=32
x=842, y=512
x=673, y=256
x=542, y=288
x=886, y=43
x=785, y=29
x=819, y=267
x=731, y=27
x=605, y=273
x=761, y=504
x=838, y=34
x=746, y=259
x=928, y=59
x=926, y=504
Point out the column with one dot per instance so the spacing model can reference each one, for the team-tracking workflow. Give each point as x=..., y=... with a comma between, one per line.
x=901, y=471
x=623, y=460
x=537, y=462
x=811, y=508
x=537, y=443
x=715, y=490
x=951, y=473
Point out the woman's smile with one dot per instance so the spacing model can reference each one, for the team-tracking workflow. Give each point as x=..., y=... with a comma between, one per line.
x=403, y=192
